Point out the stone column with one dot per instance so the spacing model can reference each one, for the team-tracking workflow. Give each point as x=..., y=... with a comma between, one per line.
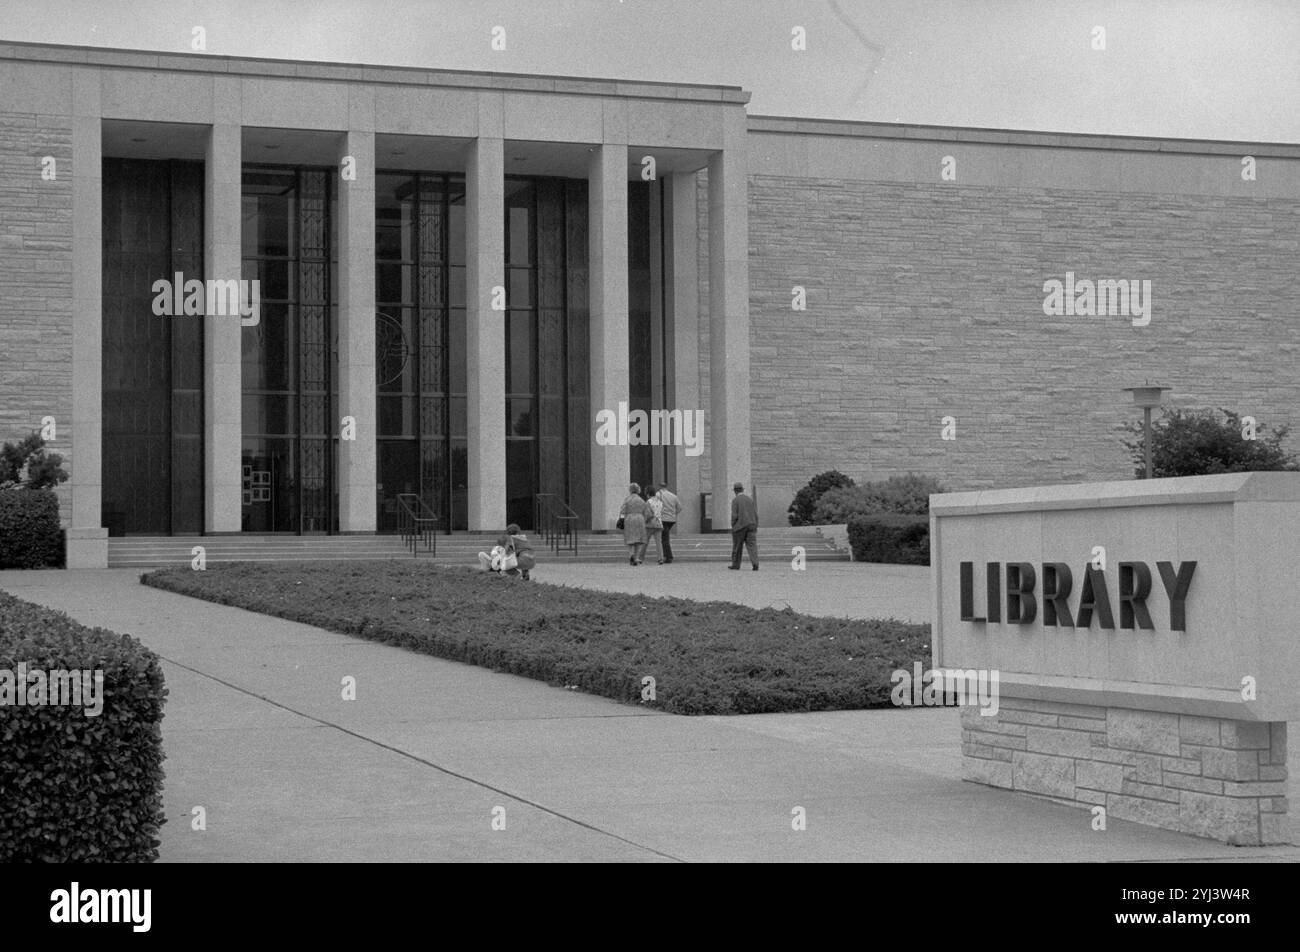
x=728, y=321
x=683, y=333
x=607, y=249
x=358, y=493
x=222, y=354
x=485, y=336
x=658, y=396
x=87, y=539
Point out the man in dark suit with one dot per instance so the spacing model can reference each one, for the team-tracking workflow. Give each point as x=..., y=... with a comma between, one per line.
x=744, y=528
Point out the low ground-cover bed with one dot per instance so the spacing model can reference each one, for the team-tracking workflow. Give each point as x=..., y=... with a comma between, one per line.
x=704, y=657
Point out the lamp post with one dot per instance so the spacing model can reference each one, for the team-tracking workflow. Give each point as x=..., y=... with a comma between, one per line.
x=1147, y=397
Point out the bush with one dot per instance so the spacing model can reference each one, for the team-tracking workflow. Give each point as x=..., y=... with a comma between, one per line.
x=705, y=657
x=892, y=538
x=1198, y=443
x=27, y=464
x=905, y=495
x=805, y=500
x=77, y=787
x=30, y=537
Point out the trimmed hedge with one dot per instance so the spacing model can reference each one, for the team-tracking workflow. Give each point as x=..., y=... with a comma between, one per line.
x=909, y=495
x=76, y=786
x=890, y=537
x=705, y=657
x=801, y=509
x=30, y=536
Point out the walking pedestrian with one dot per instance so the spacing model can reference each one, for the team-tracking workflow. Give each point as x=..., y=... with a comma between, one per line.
x=744, y=527
x=653, y=525
x=632, y=517
x=671, y=507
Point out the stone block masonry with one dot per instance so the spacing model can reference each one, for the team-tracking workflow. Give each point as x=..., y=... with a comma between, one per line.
x=925, y=300
x=1212, y=777
x=36, y=280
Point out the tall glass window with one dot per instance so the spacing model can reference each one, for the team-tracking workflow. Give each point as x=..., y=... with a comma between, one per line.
x=290, y=357
x=521, y=351
x=423, y=440
x=420, y=345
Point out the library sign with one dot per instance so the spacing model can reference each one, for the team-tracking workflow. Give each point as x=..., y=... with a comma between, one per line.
x=1093, y=601
x=1143, y=639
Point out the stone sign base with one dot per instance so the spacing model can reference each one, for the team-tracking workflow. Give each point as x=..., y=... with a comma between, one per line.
x=1214, y=777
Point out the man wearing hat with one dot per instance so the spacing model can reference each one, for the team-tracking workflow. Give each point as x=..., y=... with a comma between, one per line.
x=744, y=527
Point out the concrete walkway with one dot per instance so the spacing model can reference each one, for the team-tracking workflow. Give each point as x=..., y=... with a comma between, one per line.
x=841, y=589
x=257, y=733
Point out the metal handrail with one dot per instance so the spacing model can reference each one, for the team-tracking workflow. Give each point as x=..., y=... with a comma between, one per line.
x=419, y=524
x=545, y=518
x=569, y=520
x=557, y=527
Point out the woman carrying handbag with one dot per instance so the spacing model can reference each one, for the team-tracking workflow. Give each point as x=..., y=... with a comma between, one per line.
x=631, y=517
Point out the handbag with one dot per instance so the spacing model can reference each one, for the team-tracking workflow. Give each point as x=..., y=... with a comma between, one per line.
x=619, y=524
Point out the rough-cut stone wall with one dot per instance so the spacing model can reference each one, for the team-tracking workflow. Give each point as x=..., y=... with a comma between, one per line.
x=36, y=280
x=926, y=301
x=1212, y=777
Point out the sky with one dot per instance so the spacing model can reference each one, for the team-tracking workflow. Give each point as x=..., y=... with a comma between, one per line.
x=1195, y=69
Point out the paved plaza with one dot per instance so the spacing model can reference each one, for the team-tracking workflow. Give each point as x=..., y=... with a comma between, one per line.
x=431, y=752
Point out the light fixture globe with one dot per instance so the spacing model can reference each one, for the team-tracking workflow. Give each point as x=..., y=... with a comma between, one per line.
x=1147, y=396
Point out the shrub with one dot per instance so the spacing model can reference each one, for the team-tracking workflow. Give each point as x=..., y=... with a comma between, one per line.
x=1198, y=443
x=905, y=495
x=77, y=787
x=26, y=463
x=705, y=657
x=890, y=537
x=805, y=500
x=30, y=536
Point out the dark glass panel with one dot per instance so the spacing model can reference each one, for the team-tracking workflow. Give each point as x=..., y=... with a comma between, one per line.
x=459, y=484
x=267, y=225
x=459, y=417
x=393, y=284
x=521, y=350
x=432, y=244
x=456, y=362
x=277, y=280
x=398, y=472
x=269, y=414
x=520, y=419
x=396, y=416
x=433, y=416
x=152, y=366
x=270, y=487
x=395, y=363
x=519, y=293
x=520, y=482
x=316, y=492
x=433, y=292
x=456, y=221
x=456, y=287
x=580, y=419
x=270, y=350
x=434, y=483
x=315, y=415
x=550, y=352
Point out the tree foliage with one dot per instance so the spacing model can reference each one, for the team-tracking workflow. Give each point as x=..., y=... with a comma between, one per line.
x=1196, y=442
